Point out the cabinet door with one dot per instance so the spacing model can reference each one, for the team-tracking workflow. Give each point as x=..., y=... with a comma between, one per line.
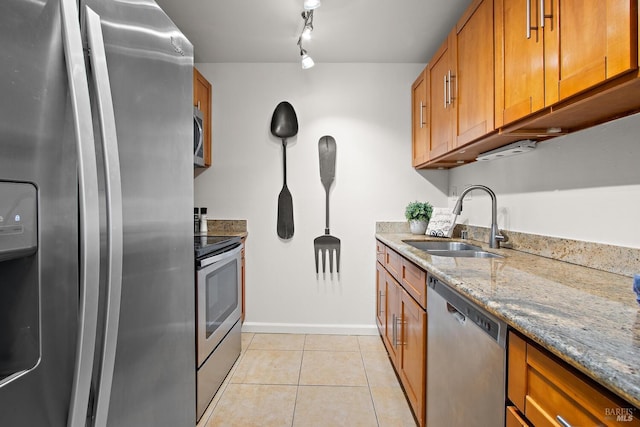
x=202, y=100
x=522, y=59
x=596, y=42
x=419, y=123
x=393, y=318
x=414, y=281
x=473, y=85
x=514, y=418
x=413, y=365
x=381, y=309
x=380, y=248
x=393, y=263
x=441, y=104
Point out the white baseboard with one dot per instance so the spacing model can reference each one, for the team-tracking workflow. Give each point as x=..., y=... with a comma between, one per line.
x=294, y=328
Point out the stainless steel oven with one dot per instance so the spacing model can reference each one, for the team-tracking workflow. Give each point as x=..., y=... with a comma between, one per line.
x=218, y=308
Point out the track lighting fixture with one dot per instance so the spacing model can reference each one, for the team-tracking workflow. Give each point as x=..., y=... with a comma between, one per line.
x=307, y=61
x=307, y=16
x=311, y=4
x=306, y=32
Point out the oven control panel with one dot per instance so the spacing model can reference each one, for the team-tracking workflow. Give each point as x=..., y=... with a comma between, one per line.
x=18, y=220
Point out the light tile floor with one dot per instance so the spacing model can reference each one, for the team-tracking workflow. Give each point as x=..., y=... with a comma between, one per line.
x=310, y=380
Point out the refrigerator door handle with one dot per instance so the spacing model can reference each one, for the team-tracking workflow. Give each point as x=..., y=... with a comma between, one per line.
x=113, y=190
x=88, y=206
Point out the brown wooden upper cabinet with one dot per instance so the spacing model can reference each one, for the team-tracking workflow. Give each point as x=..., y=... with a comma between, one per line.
x=441, y=101
x=472, y=85
x=554, y=49
x=460, y=86
x=420, y=125
x=526, y=69
x=202, y=100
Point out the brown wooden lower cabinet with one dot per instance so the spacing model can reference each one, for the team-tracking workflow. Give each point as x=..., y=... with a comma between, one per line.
x=381, y=290
x=393, y=263
x=514, y=418
x=393, y=318
x=542, y=390
x=402, y=322
x=413, y=327
x=548, y=392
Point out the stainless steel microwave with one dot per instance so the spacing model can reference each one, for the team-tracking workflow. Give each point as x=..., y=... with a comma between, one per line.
x=198, y=138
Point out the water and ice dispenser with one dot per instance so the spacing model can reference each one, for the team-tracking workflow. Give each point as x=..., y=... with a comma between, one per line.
x=18, y=220
x=19, y=297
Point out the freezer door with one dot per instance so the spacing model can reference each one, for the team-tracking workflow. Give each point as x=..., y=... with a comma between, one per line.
x=150, y=64
x=38, y=293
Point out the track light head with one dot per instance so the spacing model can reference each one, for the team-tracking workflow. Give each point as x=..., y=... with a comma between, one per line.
x=307, y=61
x=311, y=4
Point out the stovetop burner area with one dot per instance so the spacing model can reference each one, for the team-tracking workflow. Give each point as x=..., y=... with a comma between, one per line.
x=205, y=245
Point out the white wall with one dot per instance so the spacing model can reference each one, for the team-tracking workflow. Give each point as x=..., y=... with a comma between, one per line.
x=366, y=108
x=583, y=186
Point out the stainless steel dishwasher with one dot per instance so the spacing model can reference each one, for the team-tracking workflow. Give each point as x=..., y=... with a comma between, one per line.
x=465, y=361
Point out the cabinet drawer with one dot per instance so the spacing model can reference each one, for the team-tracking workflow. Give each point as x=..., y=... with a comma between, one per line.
x=553, y=390
x=514, y=418
x=380, y=247
x=393, y=263
x=414, y=280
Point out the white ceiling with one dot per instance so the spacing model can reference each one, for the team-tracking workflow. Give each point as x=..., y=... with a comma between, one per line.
x=395, y=31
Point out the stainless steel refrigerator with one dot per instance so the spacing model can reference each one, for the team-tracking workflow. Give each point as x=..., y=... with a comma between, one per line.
x=96, y=192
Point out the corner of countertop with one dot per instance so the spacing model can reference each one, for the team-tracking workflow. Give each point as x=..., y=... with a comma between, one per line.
x=227, y=227
x=392, y=227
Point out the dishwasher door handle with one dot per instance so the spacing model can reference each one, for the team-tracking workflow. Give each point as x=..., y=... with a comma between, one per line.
x=461, y=318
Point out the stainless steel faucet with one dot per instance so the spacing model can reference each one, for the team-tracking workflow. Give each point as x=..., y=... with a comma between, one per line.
x=495, y=238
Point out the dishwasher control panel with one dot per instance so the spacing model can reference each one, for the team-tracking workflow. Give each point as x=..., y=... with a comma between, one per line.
x=18, y=220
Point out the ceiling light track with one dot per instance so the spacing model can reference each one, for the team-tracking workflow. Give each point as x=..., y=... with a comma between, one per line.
x=307, y=15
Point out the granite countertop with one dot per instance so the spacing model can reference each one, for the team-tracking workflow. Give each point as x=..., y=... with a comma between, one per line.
x=587, y=317
x=222, y=227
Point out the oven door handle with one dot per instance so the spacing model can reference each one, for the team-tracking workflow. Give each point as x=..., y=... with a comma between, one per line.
x=216, y=258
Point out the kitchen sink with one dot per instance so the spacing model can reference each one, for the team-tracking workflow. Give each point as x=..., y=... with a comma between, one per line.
x=451, y=249
x=464, y=254
x=442, y=246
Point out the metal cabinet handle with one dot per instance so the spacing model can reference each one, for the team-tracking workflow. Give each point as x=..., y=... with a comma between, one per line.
x=398, y=322
x=421, y=115
x=529, y=27
x=562, y=421
x=528, y=17
x=449, y=87
x=380, y=297
x=393, y=329
x=113, y=193
x=445, y=90
x=543, y=15
x=450, y=77
x=88, y=208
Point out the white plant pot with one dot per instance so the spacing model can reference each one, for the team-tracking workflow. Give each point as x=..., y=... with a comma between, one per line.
x=417, y=226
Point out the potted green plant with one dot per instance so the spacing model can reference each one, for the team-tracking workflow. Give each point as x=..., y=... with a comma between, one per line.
x=418, y=215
